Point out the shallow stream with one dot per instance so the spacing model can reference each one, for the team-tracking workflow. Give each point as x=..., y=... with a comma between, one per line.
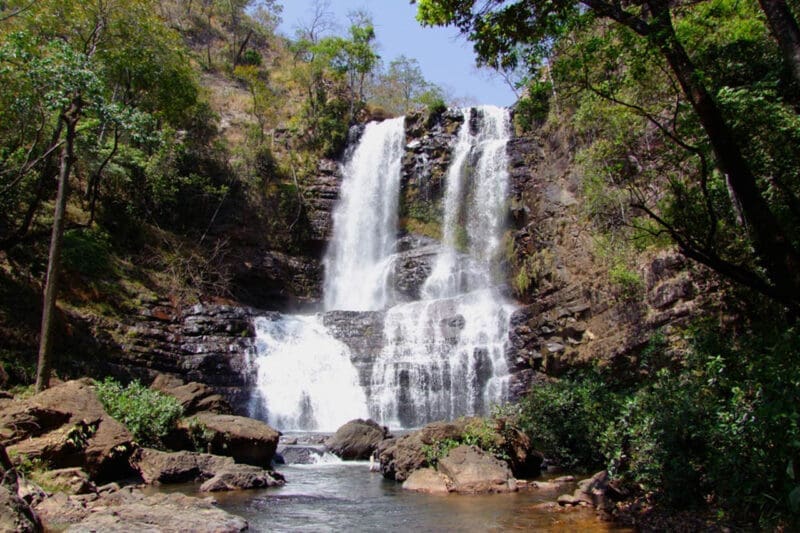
x=348, y=497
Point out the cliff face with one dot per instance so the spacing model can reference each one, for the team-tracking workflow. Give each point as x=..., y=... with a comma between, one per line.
x=575, y=315
x=571, y=315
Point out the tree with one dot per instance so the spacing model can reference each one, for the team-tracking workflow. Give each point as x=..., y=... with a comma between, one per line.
x=505, y=33
x=787, y=33
x=88, y=80
x=402, y=88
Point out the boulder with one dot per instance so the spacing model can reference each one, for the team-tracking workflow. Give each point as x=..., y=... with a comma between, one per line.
x=240, y=477
x=299, y=455
x=67, y=480
x=194, y=397
x=66, y=426
x=524, y=460
x=357, y=439
x=157, y=467
x=591, y=491
x=247, y=440
x=15, y=513
x=130, y=510
x=399, y=457
x=427, y=480
x=472, y=470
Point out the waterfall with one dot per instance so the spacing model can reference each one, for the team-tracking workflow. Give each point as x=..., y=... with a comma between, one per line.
x=306, y=375
x=358, y=262
x=442, y=356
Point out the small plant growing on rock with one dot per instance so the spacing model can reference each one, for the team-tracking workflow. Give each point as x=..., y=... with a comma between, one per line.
x=150, y=415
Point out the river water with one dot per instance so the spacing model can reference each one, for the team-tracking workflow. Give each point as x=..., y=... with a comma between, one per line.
x=348, y=497
x=345, y=496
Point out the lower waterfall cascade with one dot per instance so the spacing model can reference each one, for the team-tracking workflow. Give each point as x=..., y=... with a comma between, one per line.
x=442, y=355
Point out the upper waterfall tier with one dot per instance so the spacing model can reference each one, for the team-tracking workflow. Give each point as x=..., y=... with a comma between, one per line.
x=365, y=221
x=474, y=205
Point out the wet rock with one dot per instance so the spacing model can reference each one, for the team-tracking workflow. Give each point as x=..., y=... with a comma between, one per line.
x=357, y=439
x=413, y=265
x=471, y=470
x=299, y=455
x=361, y=331
x=427, y=480
x=242, y=477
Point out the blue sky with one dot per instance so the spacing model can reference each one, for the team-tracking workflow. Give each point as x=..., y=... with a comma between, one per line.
x=445, y=58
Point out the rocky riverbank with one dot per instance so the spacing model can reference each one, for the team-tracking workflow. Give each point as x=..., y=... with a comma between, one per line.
x=83, y=469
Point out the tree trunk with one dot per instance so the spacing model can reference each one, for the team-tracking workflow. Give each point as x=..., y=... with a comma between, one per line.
x=771, y=243
x=786, y=31
x=71, y=117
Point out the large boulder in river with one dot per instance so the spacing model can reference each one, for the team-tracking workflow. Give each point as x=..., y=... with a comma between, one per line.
x=194, y=397
x=399, y=457
x=247, y=440
x=217, y=472
x=129, y=509
x=66, y=426
x=357, y=439
x=241, y=477
x=427, y=480
x=472, y=470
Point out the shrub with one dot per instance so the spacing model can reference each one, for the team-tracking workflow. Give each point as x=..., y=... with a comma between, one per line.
x=566, y=420
x=721, y=429
x=150, y=415
x=532, y=109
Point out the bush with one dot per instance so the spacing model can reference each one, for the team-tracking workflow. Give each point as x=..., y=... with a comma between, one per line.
x=566, y=420
x=532, y=109
x=150, y=415
x=722, y=429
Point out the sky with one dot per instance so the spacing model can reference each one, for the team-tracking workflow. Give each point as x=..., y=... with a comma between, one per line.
x=445, y=58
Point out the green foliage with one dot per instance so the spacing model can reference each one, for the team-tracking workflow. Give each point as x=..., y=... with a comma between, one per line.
x=87, y=252
x=720, y=429
x=628, y=282
x=402, y=88
x=531, y=110
x=479, y=432
x=726, y=427
x=567, y=420
x=149, y=415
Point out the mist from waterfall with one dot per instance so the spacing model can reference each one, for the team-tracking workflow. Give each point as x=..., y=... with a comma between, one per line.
x=443, y=356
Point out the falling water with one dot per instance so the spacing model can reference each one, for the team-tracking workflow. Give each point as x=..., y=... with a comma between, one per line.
x=305, y=375
x=442, y=356
x=365, y=221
